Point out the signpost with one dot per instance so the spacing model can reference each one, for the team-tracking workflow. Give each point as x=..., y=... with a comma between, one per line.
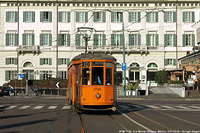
x=123, y=66
x=21, y=76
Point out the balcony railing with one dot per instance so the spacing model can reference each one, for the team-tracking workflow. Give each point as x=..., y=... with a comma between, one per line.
x=32, y=49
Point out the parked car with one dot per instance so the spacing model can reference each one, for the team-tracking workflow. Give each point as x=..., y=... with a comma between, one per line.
x=4, y=91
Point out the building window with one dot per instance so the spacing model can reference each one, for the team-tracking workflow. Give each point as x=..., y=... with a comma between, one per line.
x=152, y=17
x=134, y=39
x=152, y=40
x=188, y=39
x=152, y=66
x=46, y=39
x=29, y=16
x=80, y=41
x=62, y=74
x=46, y=16
x=10, y=75
x=64, y=16
x=170, y=40
x=170, y=62
x=11, y=61
x=134, y=17
x=116, y=39
x=11, y=16
x=188, y=17
x=170, y=17
x=81, y=16
x=116, y=16
x=99, y=39
x=45, y=61
x=44, y=75
x=63, y=61
x=11, y=39
x=64, y=39
x=99, y=17
x=28, y=39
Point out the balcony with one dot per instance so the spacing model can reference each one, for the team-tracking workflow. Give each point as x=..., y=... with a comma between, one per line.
x=28, y=49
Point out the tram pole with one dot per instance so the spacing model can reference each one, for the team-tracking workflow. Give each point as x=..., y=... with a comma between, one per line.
x=124, y=61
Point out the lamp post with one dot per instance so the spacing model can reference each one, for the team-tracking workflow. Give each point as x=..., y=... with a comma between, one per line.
x=124, y=61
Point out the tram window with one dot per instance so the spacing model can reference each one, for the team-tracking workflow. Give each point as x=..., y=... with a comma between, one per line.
x=86, y=76
x=97, y=76
x=108, y=76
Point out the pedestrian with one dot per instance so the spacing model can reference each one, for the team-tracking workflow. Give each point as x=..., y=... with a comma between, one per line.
x=10, y=90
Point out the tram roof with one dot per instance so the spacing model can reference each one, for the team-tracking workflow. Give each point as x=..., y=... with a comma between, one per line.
x=96, y=56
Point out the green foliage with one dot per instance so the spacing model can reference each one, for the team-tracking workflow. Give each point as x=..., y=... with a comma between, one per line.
x=175, y=82
x=133, y=86
x=161, y=77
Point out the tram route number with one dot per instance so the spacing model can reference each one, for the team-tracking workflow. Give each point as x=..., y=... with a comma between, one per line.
x=97, y=89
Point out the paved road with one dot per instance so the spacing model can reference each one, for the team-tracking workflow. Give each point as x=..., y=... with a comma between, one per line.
x=44, y=115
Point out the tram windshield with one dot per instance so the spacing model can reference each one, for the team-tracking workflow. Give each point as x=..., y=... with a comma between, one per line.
x=97, y=76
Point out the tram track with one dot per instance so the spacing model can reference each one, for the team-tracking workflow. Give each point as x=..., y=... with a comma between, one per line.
x=82, y=123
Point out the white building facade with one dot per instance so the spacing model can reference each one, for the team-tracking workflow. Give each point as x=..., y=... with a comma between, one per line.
x=45, y=39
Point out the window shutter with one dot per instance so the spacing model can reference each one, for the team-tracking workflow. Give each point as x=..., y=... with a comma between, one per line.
x=165, y=38
x=41, y=61
x=166, y=62
x=16, y=39
x=68, y=60
x=95, y=39
x=174, y=40
x=41, y=75
x=104, y=39
x=157, y=38
x=41, y=16
x=41, y=39
x=95, y=17
x=156, y=16
x=147, y=40
x=165, y=17
x=60, y=16
x=193, y=17
x=16, y=16
x=139, y=39
x=184, y=41
x=77, y=16
x=121, y=17
x=24, y=39
x=78, y=39
x=50, y=39
x=7, y=39
x=50, y=17
x=147, y=16
x=174, y=62
x=60, y=74
x=121, y=40
x=68, y=39
x=129, y=17
x=60, y=40
x=112, y=16
x=174, y=16
x=112, y=39
x=7, y=61
x=68, y=17
x=86, y=16
x=15, y=61
x=183, y=16
x=33, y=39
x=50, y=61
x=24, y=16
x=193, y=39
x=139, y=17
x=104, y=17
x=50, y=74
x=6, y=75
x=59, y=61
x=33, y=16
x=7, y=16
x=130, y=39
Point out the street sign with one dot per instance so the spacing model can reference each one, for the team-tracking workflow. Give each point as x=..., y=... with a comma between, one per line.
x=123, y=66
x=22, y=76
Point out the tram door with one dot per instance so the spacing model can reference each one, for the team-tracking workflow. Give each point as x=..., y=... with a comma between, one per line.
x=77, y=84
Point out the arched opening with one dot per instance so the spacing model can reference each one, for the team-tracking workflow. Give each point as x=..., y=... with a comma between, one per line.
x=134, y=72
x=28, y=70
x=119, y=73
x=151, y=71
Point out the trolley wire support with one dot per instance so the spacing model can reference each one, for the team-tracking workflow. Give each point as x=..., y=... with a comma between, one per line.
x=86, y=32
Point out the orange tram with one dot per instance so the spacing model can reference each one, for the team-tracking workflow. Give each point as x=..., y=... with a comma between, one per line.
x=91, y=82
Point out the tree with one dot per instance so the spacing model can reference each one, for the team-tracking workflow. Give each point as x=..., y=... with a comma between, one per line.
x=161, y=77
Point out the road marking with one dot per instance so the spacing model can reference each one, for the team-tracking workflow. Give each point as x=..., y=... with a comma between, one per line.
x=151, y=106
x=66, y=107
x=182, y=107
x=38, y=107
x=24, y=107
x=137, y=106
x=195, y=107
x=52, y=107
x=146, y=128
x=168, y=107
x=124, y=107
x=11, y=107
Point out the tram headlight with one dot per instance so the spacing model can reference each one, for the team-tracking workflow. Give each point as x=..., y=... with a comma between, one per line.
x=98, y=95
